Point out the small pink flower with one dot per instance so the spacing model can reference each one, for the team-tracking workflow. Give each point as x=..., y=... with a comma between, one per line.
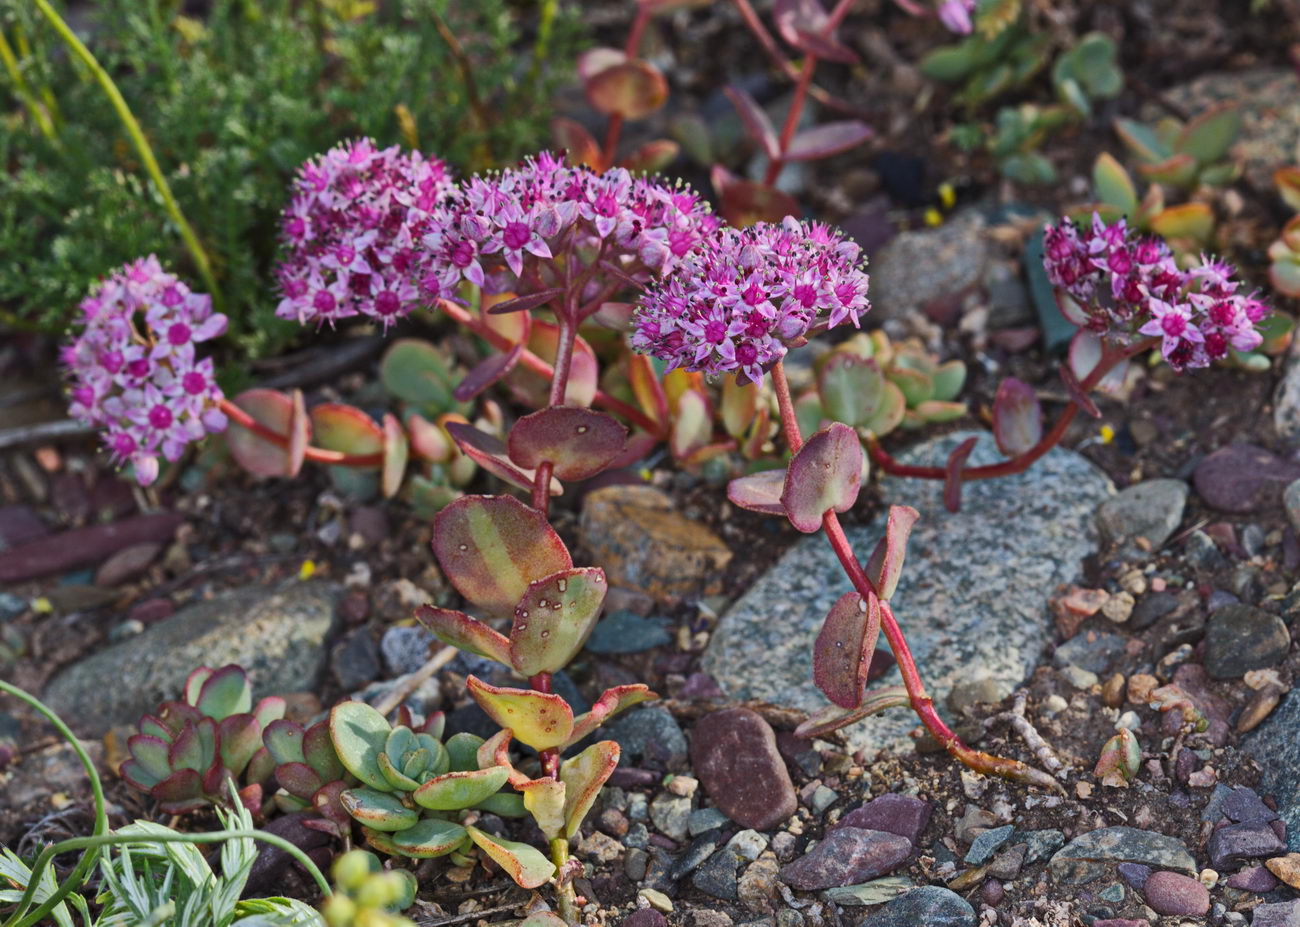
x=955, y=15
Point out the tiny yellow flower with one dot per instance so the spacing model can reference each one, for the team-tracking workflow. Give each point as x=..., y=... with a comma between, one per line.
x=42, y=606
x=307, y=570
x=1107, y=434
x=933, y=217
x=947, y=195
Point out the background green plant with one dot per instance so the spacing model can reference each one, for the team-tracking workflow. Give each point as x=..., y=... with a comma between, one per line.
x=232, y=103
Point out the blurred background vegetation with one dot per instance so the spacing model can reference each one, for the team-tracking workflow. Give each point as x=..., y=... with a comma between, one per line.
x=233, y=95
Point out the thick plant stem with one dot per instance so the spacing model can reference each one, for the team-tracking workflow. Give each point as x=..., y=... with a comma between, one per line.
x=567, y=336
x=142, y=147
x=566, y=900
x=317, y=454
x=920, y=700
x=87, y=861
x=542, y=488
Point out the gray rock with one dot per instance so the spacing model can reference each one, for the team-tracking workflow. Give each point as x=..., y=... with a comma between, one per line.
x=1091, y=651
x=717, y=877
x=971, y=594
x=1291, y=502
x=1075, y=861
x=405, y=648
x=1151, y=509
x=1233, y=844
x=355, y=659
x=918, y=268
x=845, y=857
x=625, y=631
x=277, y=634
x=669, y=813
x=703, y=820
x=929, y=905
x=986, y=844
x=1275, y=745
x=1039, y=844
x=1239, y=638
x=649, y=737
x=1280, y=914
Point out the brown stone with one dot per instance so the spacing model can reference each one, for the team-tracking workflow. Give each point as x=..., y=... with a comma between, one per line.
x=734, y=754
x=644, y=543
x=1286, y=868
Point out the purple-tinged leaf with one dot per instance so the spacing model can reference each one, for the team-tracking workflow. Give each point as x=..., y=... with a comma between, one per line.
x=632, y=89
x=299, y=780
x=833, y=717
x=180, y=792
x=493, y=547
x=136, y=776
x=194, y=683
x=488, y=372
x=464, y=633
x=576, y=142
x=329, y=804
x=429, y=441
x=1120, y=758
x=578, y=442
x=759, y=492
x=396, y=452
x=541, y=720
x=284, y=739
x=150, y=755
x=652, y=157
x=1073, y=311
x=268, y=709
x=804, y=24
x=886, y=563
x=527, y=301
x=319, y=752
x=756, y=123
x=345, y=428
x=1017, y=417
x=843, y=649
x=1077, y=393
x=554, y=618
x=260, y=767
x=583, y=776
x=255, y=454
x=225, y=692
x=186, y=750
x=824, y=476
x=489, y=452
x=827, y=139
x=240, y=736
x=1085, y=354
x=952, y=474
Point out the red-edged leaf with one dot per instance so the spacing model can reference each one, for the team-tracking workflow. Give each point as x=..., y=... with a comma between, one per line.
x=759, y=492
x=583, y=776
x=489, y=452
x=886, y=563
x=299, y=432
x=465, y=633
x=299, y=780
x=952, y=474
x=745, y=202
x=594, y=60
x=578, y=442
x=828, y=139
x=493, y=547
x=647, y=388
x=756, y=123
x=554, y=618
x=255, y=454
x=487, y=372
x=429, y=441
x=652, y=157
x=824, y=476
x=1017, y=417
x=1070, y=307
x=523, y=863
x=633, y=89
x=833, y=717
x=396, y=452
x=804, y=24
x=1076, y=391
x=526, y=302
x=541, y=720
x=610, y=703
x=843, y=649
x=576, y=142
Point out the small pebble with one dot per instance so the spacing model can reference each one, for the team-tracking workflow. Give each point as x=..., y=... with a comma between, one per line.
x=656, y=899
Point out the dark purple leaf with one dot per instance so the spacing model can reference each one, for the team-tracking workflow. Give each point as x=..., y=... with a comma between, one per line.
x=843, y=649
x=578, y=442
x=1017, y=417
x=527, y=301
x=486, y=372
x=824, y=476
x=828, y=139
x=952, y=476
x=756, y=123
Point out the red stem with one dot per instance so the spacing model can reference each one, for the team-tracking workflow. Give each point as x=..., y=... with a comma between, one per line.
x=317, y=454
x=550, y=758
x=791, y=119
x=920, y=700
x=631, y=49
x=464, y=317
x=542, y=487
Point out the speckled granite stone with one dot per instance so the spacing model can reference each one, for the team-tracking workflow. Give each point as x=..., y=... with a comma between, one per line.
x=972, y=600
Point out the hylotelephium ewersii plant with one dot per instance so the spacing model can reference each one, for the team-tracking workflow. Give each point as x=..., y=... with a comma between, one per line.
x=724, y=302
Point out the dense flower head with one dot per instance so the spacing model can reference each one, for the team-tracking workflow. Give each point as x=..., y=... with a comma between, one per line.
x=738, y=301
x=134, y=368
x=496, y=227
x=1127, y=284
x=352, y=233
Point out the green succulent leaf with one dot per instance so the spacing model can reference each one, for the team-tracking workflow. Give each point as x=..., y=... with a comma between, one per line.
x=359, y=734
x=457, y=790
x=850, y=388
x=226, y=692
x=525, y=864
x=1113, y=185
x=544, y=800
x=503, y=804
x=540, y=720
x=1208, y=136
x=554, y=618
x=583, y=776
x=428, y=838
x=378, y=810
x=462, y=751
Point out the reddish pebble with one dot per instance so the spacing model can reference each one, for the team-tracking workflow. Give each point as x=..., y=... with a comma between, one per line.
x=1172, y=893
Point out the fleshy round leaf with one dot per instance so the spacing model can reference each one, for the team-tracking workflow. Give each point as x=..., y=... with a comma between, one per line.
x=378, y=810
x=429, y=837
x=493, y=547
x=150, y=755
x=462, y=751
x=583, y=776
x=1208, y=137
x=544, y=799
x=916, y=386
x=464, y=633
x=284, y=739
x=827, y=139
x=255, y=454
x=611, y=702
x=824, y=476
x=739, y=405
x=415, y=371
x=298, y=779
x=594, y=60
x=239, y=736
x=395, y=456
x=692, y=425
x=576, y=142
x=651, y=157
x=533, y=390
x=850, y=387
x=952, y=474
x=844, y=646
x=344, y=428
x=319, y=753
x=578, y=442
x=454, y=791
x=490, y=453
x=359, y=734
x=226, y=692
x=505, y=804
x=523, y=863
x=949, y=378
x=488, y=371
x=633, y=89
x=759, y=492
x=180, y=792
x=429, y=441
x=1113, y=185
x=540, y=720
x=1188, y=220
x=397, y=780
x=1178, y=170
x=886, y=563
x=1017, y=417
x=554, y=618
x=893, y=407
x=194, y=683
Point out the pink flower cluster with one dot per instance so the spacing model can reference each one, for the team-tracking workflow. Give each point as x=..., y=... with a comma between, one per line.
x=1131, y=285
x=352, y=233
x=135, y=371
x=735, y=304
x=496, y=229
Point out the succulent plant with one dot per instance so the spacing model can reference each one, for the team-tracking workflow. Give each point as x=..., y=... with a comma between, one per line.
x=986, y=67
x=1284, y=273
x=184, y=754
x=873, y=385
x=1088, y=71
x=366, y=895
x=1185, y=154
x=417, y=796
x=309, y=774
x=1118, y=762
